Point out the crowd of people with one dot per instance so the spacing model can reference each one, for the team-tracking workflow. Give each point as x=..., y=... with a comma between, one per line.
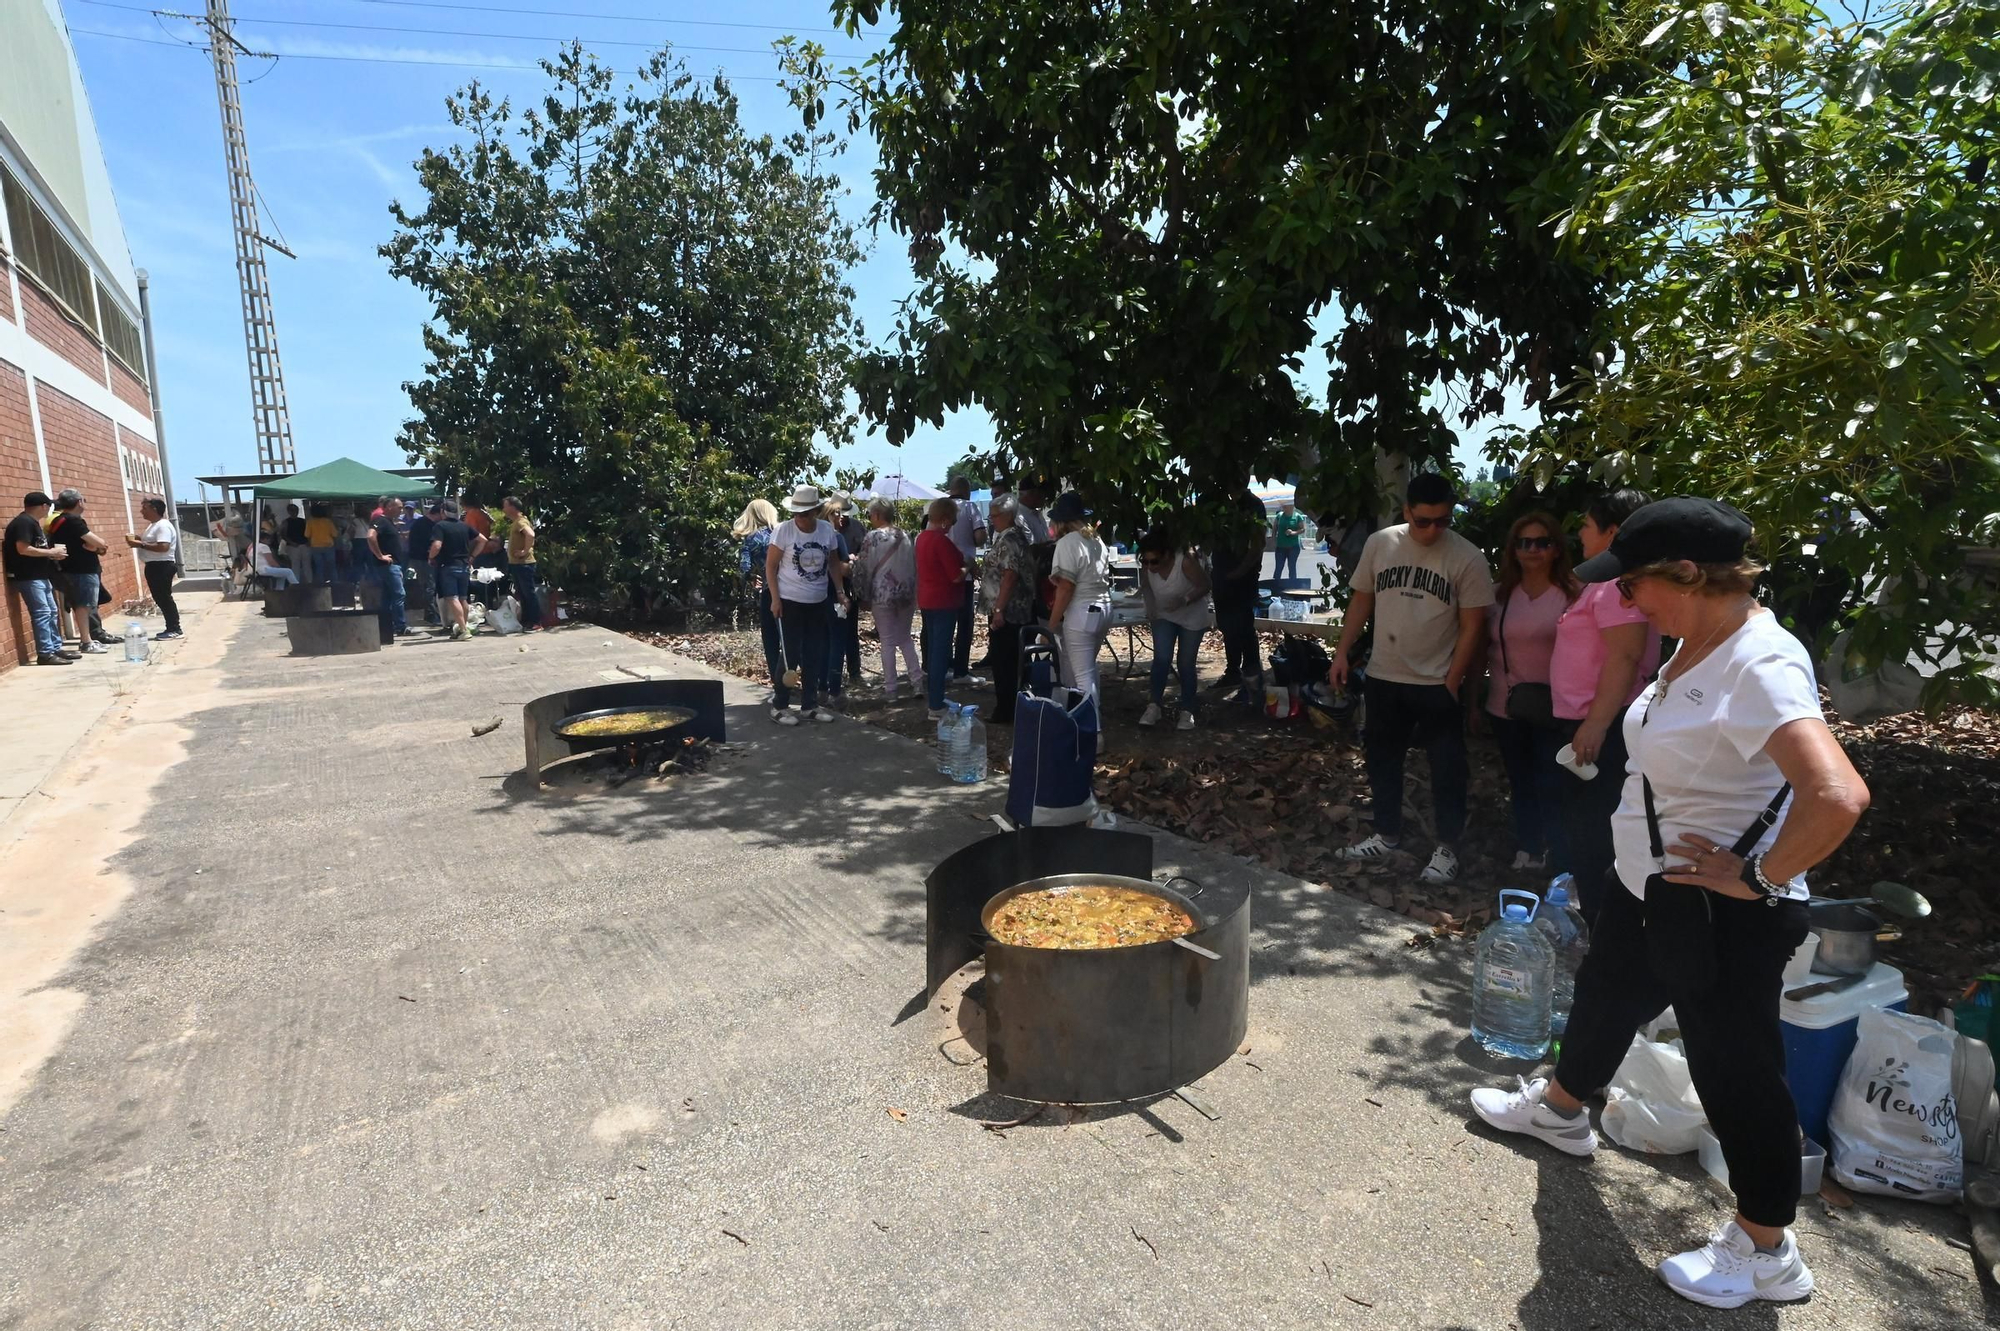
x=54, y=563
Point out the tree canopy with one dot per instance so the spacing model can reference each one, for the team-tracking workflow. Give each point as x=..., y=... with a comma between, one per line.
x=1130, y=223
x=640, y=317
x=1797, y=212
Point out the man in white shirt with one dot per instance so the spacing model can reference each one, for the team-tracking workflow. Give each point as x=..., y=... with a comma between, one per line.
x=160, y=559
x=968, y=533
x=1033, y=497
x=1427, y=589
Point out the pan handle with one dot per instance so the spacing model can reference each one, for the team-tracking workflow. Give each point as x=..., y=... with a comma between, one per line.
x=1198, y=949
x=1889, y=933
x=1194, y=888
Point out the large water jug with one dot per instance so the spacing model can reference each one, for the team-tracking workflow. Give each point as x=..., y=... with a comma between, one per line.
x=135, y=640
x=1561, y=923
x=947, y=740
x=1511, y=981
x=971, y=757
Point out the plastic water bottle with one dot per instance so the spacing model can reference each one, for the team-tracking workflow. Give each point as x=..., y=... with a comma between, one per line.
x=1511, y=981
x=135, y=641
x=971, y=737
x=1561, y=923
x=947, y=740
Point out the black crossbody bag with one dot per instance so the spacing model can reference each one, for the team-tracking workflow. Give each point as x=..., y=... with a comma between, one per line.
x=1680, y=918
x=1529, y=702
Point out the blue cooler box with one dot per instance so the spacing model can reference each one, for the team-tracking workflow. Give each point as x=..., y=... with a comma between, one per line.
x=1820, y=1034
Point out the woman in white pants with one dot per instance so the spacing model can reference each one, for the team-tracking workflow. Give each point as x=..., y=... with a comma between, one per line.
x=1081, y=608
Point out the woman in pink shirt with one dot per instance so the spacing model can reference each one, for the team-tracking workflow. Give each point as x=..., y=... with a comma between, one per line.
x=1535, y=588
x=1605, y=654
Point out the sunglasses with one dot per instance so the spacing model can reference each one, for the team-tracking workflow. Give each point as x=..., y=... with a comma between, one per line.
x=1625, y=586
x=1424, y=524
x=1534, y=543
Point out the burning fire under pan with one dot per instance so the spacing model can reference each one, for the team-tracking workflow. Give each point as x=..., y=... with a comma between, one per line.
x=1092, y=1025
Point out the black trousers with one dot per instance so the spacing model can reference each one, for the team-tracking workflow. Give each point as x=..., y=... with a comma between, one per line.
x=160, y=586
x=1398, y=716
x=1236, y=620
x=961, y=647
x=1735, y=1050
x=1585, y=808
x=1529, y=754
x=804, y=625
x=1003, y=653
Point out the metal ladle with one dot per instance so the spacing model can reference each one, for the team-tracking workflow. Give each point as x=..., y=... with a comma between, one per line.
x=1892, y=897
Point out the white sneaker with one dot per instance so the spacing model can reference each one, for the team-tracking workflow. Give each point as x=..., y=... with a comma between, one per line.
x=94, y=648
x=1523, y=860
x=1186, y=722
x=1151, y=716
x=1728, y=1271
x=1524, y=1111
x=821, y=714
x=934, y=713
x=1443, y=867
x=1374, y=848
x=784, y=716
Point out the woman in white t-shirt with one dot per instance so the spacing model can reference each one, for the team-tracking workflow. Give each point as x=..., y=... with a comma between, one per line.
x=1081, y=607
x=1737, y=788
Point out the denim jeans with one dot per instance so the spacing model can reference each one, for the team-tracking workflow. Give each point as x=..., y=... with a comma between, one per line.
x=1242, y=654
x=522, y=576
x=961, y=652
x=774, y=640
x=39, y=595
x=391, y=577
x=1175, y=648
x=322, y=562
x=939, y=626
x=804, y=627
x=1286, y=565
x=843, y=645
x=1533, y=776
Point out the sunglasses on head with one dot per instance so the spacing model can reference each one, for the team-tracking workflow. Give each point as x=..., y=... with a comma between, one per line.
x=1422, y=524
x=1534, y=542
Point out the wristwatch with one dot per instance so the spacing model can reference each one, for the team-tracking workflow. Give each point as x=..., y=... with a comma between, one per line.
x=1753, y=877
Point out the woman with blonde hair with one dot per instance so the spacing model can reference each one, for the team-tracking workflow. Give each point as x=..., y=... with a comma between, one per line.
x=753, y=528
x=891, y=559
x=1535, y=587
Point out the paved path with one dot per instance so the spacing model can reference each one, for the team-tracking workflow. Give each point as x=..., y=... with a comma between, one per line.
x=369, y=1035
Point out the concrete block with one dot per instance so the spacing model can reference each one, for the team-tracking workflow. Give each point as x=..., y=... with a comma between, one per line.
x=287, y=602
x=335, y=633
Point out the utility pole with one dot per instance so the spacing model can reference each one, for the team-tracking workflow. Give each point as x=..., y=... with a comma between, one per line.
x=260, y=328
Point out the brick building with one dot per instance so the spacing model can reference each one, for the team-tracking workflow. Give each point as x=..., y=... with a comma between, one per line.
x=75, y=397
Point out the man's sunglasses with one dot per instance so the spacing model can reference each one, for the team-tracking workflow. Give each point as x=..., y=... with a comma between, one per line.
x=1534, y=542
x=1422, y=524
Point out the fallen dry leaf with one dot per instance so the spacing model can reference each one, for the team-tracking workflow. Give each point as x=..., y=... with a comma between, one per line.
x=899, y=1114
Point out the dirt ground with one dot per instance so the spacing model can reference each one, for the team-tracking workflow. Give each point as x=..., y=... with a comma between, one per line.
x=1289, y=793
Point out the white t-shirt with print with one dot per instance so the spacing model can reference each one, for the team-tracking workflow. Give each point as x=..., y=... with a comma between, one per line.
x=803, y=561
x=1700, y=739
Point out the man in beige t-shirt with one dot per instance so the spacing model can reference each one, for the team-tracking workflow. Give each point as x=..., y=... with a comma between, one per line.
x=1426, y=588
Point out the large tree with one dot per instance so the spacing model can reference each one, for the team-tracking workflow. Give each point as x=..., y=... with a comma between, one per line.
x=640, y=317
x=1801, y=209
x=1129, y=220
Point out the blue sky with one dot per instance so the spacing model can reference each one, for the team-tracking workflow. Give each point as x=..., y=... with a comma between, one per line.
x=333, y=130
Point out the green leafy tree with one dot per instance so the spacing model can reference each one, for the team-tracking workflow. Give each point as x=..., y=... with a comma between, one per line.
x=1129, y=221
x=1799, y=213
x=640, y=318
x=975, y=468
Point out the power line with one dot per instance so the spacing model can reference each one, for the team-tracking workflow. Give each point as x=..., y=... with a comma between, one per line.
x=618, y=18
x=382, y=59
x=455, y=32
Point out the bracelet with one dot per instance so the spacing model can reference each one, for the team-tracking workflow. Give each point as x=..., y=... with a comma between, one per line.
x=1753, y=875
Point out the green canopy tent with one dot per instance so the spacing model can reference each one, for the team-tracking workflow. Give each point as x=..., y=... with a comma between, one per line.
x=344, y=478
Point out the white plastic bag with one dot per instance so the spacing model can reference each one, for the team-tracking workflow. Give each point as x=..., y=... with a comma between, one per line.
x=1894, y=1123
x=507, y=616
x=475, y=616
x=1650, y=1104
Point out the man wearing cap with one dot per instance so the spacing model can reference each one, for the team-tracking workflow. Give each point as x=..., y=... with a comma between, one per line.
x=32, y=562
x=807, y=577
x=1427, y=589
x=1736, y=788
x=1034, y=497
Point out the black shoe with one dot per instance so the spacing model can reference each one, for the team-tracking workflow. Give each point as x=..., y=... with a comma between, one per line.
x=106, y=640
x=57, y=659
x=168, y=635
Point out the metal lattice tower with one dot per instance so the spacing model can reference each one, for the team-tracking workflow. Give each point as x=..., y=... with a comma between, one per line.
x=260, y=328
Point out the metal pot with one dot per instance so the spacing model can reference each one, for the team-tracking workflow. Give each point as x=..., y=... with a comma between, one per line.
x=1185, y=901
x=1848, y=932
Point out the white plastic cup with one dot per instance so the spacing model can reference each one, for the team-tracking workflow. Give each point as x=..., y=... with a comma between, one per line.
x=1566, y=756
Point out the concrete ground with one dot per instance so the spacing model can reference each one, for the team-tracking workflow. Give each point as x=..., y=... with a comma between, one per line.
x=320, y=1016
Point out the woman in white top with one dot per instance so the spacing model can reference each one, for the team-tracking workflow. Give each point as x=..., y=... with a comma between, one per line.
x=1081, y=608
x=1737, y=788
x=1174, y=583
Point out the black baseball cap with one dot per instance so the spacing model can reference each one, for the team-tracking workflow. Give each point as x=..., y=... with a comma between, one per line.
x=1068, y=508
x=1704, y=531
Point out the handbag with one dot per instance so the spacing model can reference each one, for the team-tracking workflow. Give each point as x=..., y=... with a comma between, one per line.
x=1680, y=919
x=1528, y=702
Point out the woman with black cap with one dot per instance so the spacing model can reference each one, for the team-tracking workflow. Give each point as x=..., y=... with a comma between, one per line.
x=1081, y=608
x=1736, y=787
